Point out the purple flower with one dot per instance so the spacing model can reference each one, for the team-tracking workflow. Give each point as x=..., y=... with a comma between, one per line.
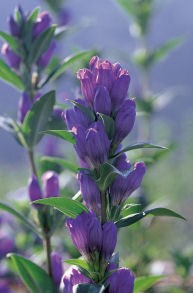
x=42, y=23
x=109, y=240
x=103, y=73
x=63, y=17
x=124, y=120
x=14, y=27
x=73, y=277
x=88, y=84
x=51, y=184
x=24, y=106
x=7, y=245
x=102, y=100
x=44, y=60
x=57, y=269
x=75, y=117
x=120, y=87
x=89, y=191
x=13, y=59
x=4, y=286
x=34, y=190
x=120, y=281
x=122, y=187
x=86, y=233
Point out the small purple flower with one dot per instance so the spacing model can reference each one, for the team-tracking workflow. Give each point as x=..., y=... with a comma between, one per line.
x=120, y=281
x=63, y=17
x=51, y=184
x=109, y=240
x=14, y=27
x=103, y=73
x=4, y=286
x=42, y=23
x=13, y=59
x=75, y=117
x=24, y=106
x=122, y=187
x=34, y=189
x=120, y=87
x=124, y=120
x=73, y=277
x=57, y=269
x=44, y=60
x=7, y=245
x=89, y=191
x=102, y=100
x=88, y=85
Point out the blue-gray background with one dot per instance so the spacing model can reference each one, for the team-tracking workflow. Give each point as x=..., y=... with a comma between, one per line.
x=106, y=27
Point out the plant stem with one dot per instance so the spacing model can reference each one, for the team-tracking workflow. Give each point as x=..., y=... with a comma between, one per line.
x=32, y=162
x=103, y=208
x=47, y=243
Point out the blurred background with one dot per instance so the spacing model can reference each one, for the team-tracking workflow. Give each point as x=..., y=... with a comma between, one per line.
x=161, y=246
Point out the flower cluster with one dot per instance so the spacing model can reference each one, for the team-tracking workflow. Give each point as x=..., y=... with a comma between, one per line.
x=104, y=89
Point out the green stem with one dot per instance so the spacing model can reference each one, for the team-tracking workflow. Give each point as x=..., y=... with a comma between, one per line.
x=48, y=249
x=32, y=162
x=103, y=208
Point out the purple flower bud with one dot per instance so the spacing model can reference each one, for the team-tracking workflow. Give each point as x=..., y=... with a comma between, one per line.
x=63, y=17
x=102, y=100
x=109, y=240
x=122, y=164
x=88, y=85
x=104, y=73
x=34, y=190
x=57, y=113
x=116, y=70
x=89, y=191
x=121, y=281
x=97, y=144
x=73, y=277
x=86, y=233
x=24, y=106
x=122, y=187
x=75, y=117
x=57, y=268
x=7, y=245
x=21, y=12
x=13, y=27
x=124, y=120
x=44, y=60
x=51, y=184
x=42, y=23
x=120, y=88
x=13, y=59
x=4, y=286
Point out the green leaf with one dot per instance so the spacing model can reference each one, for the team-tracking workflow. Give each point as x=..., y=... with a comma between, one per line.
x=85, y=110
x=33, y=276
x=132, y=219
x=64, y=134
x=6, y=207
x=67, y=206
x=109, y=125
x=108, y=173
x=67, y=62
x=12, y=42
x=166, y=48
x=127, y=6
x=61, y=162
x=37, y=118
x=10, y=77
x=79, y=263
x=88, y=288
x=144, y=283
x=34, y=14
x=41, y=44
x=139, y=145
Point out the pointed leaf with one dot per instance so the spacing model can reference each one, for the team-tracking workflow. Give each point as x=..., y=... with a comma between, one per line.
x=166, y=48
x=139, y=145
x=79, y=263
x=67, y=206
x=33, y=276
x=61, y=162
x=145, y=283
x=13, y=43
x=37, y=118
x=131, y=219
x=109, y=125
x=10, y=77
x=85, y=110
x=64, y=134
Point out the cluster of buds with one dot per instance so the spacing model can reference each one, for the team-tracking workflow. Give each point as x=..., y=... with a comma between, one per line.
x=104, y=89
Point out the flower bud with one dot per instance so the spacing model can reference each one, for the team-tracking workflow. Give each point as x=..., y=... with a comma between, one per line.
x=104, y=73
x=109, y=240
x=89, y=191
x=42, y=23
x=73, y=277
x=14, y=27
x=88, y=85
x=24, y=106
x=63, y=17
x=102, y=100
x=44, y=60
x=7, y=245
x=34, y=190
x=4, y=286
x=13, y=59
x=124, y=120
x=75, y=117
x=121, y=281
x=51, y=184
x=57, y=269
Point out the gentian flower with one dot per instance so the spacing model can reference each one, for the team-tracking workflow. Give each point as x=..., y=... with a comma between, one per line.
x=75, y=117
x=45, y=59
x=4, y=286
x=51, y=184
x=42, y=23
x=14, y=27
x=102, y=100
x=34, y=189
x=73, y=277
x=24, y=106
x=57, y=269
x=7, y=245
x=63, y=17
x=13, y=59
